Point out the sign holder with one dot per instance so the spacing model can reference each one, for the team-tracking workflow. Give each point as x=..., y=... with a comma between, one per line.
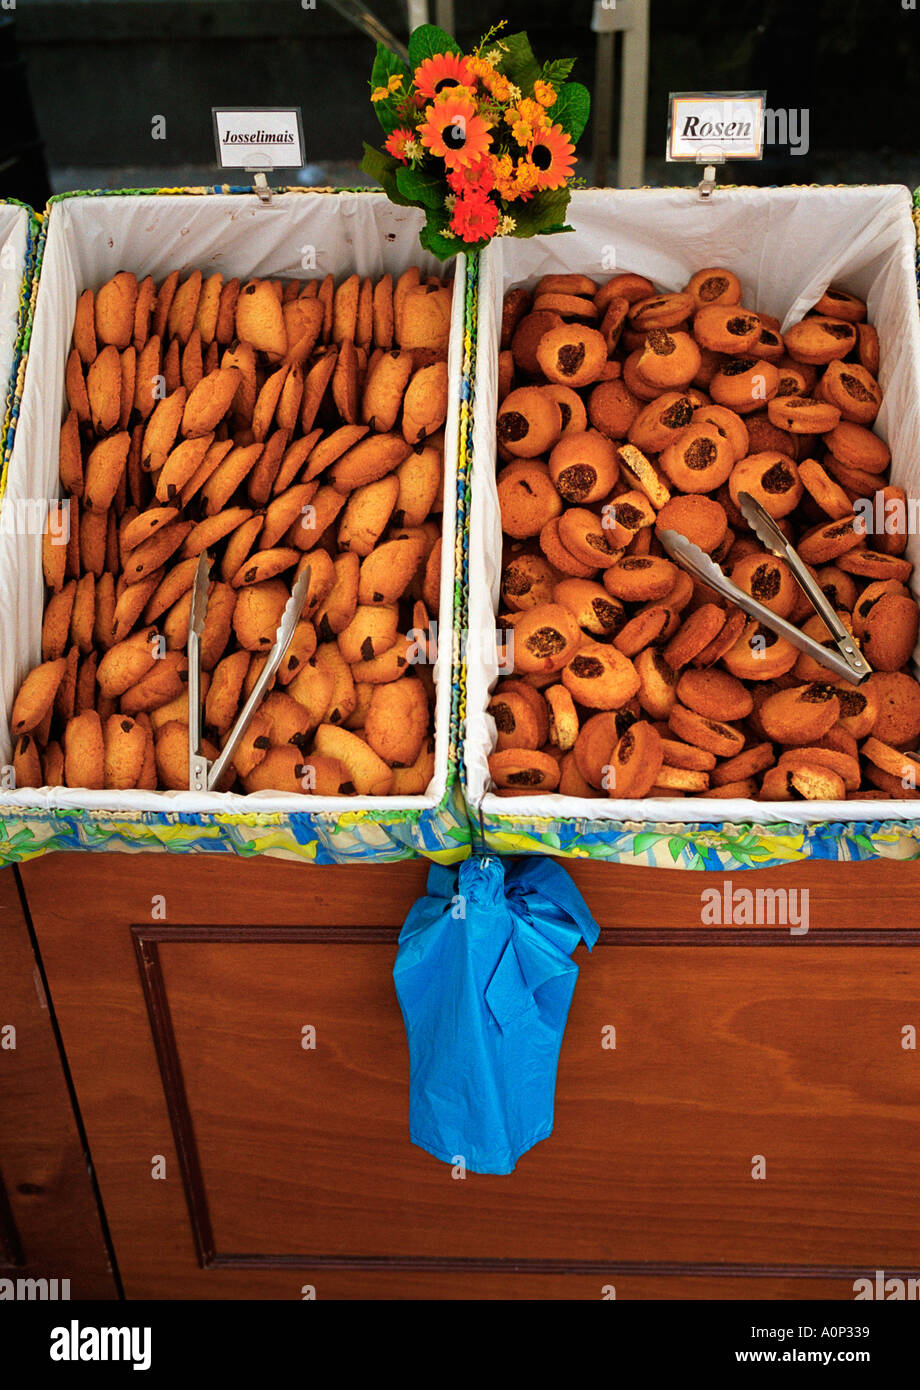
x=709, y=128
x=249, y=128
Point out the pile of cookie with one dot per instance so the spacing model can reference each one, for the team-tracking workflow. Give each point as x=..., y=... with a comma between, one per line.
x=624, y=412
x=276, y=426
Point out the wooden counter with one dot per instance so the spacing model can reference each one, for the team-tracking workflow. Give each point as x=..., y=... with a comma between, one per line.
x=233, y=1162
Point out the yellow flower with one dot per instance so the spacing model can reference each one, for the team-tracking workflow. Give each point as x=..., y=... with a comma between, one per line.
x=532, y=112
x=499, y=86
x=380, y=93
x=503, y=174
x=545, y=93
x=395, y=82
x=522, y=132
x=480, y=68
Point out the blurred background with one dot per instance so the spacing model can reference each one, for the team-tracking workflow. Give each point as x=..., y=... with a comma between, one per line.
x=118, y=93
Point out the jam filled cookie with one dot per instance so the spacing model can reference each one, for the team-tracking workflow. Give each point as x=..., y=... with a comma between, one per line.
x=592, y=606
x=727, y=328
x=600, y=677
x=772, y=479
x=744, y=384
x=572, y=355
x=699, y=461
x=526, y=581
x=801, y=714
x=819, y=340
x=853, y=391
x=584, y=467
x=714, y=286
x=545, y=639
x=529, y=422
x=528, y=770
x=636, y=762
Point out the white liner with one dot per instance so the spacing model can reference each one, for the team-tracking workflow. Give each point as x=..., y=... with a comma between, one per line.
x=14, y=237
x=786, y=245
x=89, y=240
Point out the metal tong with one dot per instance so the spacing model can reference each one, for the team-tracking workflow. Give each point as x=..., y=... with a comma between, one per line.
x=203, y=776
x=844, y=658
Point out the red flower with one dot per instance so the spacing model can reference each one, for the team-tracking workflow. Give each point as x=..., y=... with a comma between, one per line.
x=396, y=141
x=472, y=178
x=475, y=216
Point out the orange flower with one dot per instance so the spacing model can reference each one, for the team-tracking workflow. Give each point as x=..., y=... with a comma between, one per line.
x=526, y=180
x=436, y=75
x=396, y=143
x=480, y=68
x=522, y=132
x=532, y=112
x=545, y=93
x=503, y=177
x=454, y=132
x=498, y=85
x=553, y=156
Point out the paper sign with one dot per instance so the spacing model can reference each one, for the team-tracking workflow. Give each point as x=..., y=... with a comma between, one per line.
x=716, y=126
x=258, y=137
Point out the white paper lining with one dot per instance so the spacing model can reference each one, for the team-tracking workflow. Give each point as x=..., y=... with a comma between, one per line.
x=299, y=236
x=786, y=246
x=14, y=235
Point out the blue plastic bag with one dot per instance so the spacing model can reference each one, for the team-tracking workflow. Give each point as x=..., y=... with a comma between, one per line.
x=484, y=978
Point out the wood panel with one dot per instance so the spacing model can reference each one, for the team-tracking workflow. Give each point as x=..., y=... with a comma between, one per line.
x=306, y=1171
x=49, y=1222
x=122, y=888
x=880, y=894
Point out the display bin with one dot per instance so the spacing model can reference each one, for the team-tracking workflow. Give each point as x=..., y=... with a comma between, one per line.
x=19, y=237
x=787, y=245
x=299, y=233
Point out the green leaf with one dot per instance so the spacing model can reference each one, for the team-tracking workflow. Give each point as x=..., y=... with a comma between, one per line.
x=676, y=845
x=557, y=70
x=518, y=63
x=645, y=841
x=544, y=213
x=386, y=64
x=379, y=165
x=425, y=189
x=864, y=842
x=432, y=238
x=427, y=41
x=571, y=109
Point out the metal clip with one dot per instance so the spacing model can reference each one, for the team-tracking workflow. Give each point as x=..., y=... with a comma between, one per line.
x=707, y=183
x=261, y=189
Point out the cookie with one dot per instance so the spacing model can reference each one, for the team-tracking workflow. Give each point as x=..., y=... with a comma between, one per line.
x=84, y=752
x=635, y=762
x=366, y=770
x=529, y=422
x=526, y=770
x=801, y=714
x=583, y=467
x=36, y=695
x=600, y=677
x=571, y=354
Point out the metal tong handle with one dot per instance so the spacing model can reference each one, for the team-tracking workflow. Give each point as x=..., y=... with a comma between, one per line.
x=289, y=620
x=767, y=531
x=197, y=762
x=708, y=572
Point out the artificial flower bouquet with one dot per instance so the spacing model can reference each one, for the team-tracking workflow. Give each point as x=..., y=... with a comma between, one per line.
x=484, y=142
